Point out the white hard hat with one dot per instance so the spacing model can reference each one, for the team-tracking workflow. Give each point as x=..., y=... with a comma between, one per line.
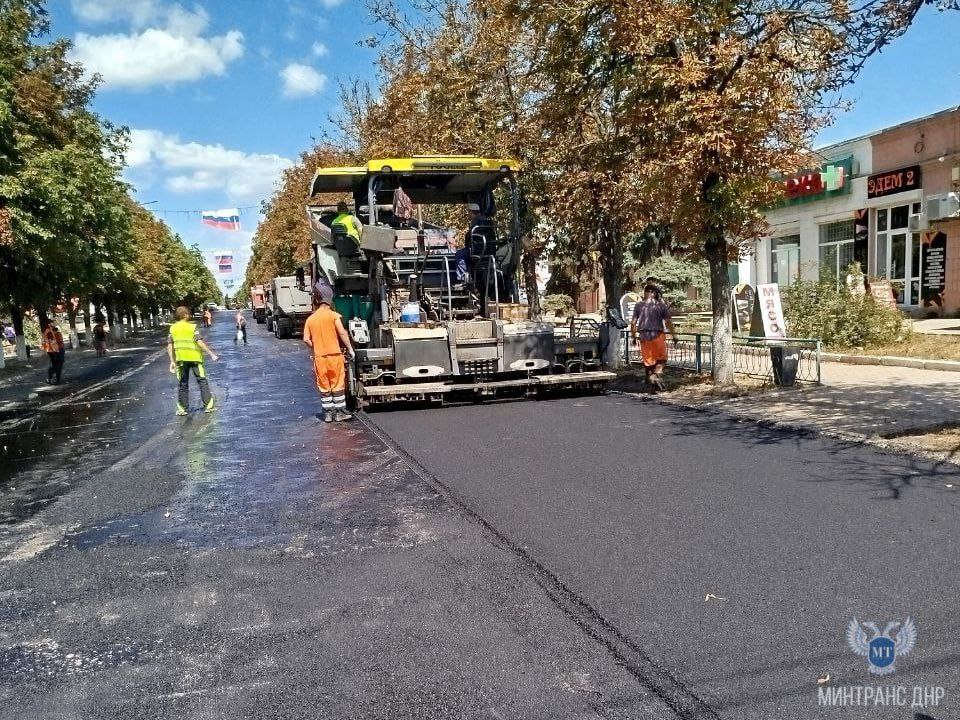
x=473, y=207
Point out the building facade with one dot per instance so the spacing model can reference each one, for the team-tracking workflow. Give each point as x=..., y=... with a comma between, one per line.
x=888, y=201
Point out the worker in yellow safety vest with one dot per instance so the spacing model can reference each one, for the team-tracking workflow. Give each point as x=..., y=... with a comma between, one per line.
x=184, y=348
x=347, y=222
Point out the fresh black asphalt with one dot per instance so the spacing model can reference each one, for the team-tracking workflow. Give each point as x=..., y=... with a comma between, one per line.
x=732, y=555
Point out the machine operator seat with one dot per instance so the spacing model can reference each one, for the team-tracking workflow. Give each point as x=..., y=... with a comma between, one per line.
x=345, y=245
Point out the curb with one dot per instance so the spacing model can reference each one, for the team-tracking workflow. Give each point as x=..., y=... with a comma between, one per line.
x=892, y=361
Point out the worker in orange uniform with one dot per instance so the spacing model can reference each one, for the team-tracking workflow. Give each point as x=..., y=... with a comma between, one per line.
x=327, y=338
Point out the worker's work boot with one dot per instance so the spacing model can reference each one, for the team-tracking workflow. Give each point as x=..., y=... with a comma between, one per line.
x=181, y=411
x=208, y=408
x=342, y=415
x=328, y=416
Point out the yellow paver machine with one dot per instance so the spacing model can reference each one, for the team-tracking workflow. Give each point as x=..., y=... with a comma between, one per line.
x=434, y=312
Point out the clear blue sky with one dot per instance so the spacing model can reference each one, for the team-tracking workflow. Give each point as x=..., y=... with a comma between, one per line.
x=221, y=95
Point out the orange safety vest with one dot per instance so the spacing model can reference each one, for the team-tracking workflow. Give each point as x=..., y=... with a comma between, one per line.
x=52, y=340
x=321, y=330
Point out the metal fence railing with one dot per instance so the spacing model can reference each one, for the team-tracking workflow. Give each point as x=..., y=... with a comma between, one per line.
x=752, y=356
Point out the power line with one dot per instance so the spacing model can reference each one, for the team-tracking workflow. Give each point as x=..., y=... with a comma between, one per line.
x=196, y=212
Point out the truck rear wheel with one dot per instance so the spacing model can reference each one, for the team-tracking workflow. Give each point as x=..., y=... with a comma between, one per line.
x=284, y=328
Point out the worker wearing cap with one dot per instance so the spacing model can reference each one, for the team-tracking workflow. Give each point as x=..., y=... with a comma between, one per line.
x=184, y=347
x=347, y=222
x=325, y=335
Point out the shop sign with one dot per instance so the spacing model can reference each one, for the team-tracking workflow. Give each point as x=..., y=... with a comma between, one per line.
x=933, y=272
x=895, y=181
x=882, y=292
x=771, y=311
x=832, y=179
x=743, y=298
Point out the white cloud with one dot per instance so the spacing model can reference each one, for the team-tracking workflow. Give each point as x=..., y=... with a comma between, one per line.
x=166, y=53
x=137, y=12
x=190, y=167
x=330, y=3
x=319, y=50
x=301, y=80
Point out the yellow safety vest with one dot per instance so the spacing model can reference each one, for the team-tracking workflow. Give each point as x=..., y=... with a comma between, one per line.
x=346, y=220
x=185, y=348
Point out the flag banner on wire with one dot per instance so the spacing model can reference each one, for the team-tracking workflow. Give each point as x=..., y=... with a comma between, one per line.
x=224, y=260
x=226, y=219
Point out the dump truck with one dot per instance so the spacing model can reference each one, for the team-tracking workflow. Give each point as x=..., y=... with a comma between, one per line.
x=258, y=302
x=290, y=306
x=434, y=313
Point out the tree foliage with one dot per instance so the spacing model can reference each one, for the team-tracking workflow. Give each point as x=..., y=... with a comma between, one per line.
x=67, y=225
x=282, y=240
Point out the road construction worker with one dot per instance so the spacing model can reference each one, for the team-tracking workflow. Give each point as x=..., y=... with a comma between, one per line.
x=184, y=349
x=327, y=338
x=347, y=222
x=53, y=346
x=650, y=316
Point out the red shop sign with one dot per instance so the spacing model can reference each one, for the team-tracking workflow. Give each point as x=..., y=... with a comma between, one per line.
x=895, y=181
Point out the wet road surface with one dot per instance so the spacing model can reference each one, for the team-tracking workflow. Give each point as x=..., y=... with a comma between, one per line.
x=257, y=563
x=511, y=560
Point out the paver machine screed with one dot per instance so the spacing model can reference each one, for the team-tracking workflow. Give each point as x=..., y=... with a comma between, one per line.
x=434, y=313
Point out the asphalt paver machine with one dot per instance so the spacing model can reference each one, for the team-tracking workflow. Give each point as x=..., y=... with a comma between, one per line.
x=433, y=313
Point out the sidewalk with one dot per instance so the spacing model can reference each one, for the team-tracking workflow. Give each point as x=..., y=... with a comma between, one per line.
x=863, y=403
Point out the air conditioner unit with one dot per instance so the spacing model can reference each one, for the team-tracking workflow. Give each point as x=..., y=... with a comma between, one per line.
x=919, y=222
x=942, y=206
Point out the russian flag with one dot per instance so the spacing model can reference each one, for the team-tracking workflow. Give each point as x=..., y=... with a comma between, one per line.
x=226, y=219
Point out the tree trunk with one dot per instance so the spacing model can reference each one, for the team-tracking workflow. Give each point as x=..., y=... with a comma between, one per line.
x=716, y=251
x=611, y=258
x=529, y=265
x=72, y=321
x=16, y=314
x=116, y=329
x=87, y=325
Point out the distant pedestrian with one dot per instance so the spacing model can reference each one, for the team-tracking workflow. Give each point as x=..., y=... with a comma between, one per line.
x=207, y=318
x=10, y=334
x=650, y=315
x=54, y=347
x=327, y=338
x=100, y=337
x=241, y=328
x=184, y=349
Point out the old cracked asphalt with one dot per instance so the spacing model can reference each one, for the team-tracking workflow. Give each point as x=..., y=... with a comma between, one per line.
x=573, y=558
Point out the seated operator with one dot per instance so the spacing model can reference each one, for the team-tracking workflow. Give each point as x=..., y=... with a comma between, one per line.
x=462, y=257
x=347, y=222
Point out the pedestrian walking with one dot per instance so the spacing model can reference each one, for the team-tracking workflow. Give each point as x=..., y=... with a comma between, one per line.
x=53, y=346
x=325, y=335
x=241, y=328
x=207, y=318
x=100, y=337
x=184, y=348
x=650, y=316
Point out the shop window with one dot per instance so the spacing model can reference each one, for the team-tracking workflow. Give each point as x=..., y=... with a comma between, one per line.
x=836, y=250
x=784, y=259
x=897, y=256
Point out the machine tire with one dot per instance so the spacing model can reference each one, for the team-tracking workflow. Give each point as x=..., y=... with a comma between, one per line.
x=269, y=322
x=284, y=328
